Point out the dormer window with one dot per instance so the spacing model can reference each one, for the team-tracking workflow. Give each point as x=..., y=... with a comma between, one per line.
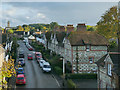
x=88, y=48
x=109, y=69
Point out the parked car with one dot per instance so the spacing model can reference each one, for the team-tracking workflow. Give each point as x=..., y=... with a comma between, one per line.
x=41, y=63
x=46, y=67
x=21, y=61
x=38, y=55
x=30, y=48
x=20, y=79
x=30, y=57
x=20, y=71
x=21, y=54
x=38, y=59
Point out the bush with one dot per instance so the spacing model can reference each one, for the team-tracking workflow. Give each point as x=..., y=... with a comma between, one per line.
x=58, y=70
x=70, y=84
x=82, y=76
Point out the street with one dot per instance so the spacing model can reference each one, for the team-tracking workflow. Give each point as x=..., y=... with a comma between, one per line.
x=35, y=78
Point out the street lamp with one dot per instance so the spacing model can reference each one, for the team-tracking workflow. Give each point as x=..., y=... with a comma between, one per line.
x=63, y=70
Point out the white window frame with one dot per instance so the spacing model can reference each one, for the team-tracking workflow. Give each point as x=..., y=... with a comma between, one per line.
x=109, y=70
x=88, y=48
x=91, y=61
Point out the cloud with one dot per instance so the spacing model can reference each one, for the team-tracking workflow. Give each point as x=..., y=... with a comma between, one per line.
x=41, y=15
x=27, y=17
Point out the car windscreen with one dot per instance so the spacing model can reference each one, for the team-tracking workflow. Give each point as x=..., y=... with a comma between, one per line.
x=20, y=78
x=38, y=54
x=46, y=66
x=30, y=56
x=20, y=70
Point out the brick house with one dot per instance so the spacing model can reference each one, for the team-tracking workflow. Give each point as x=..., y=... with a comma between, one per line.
x=108, y=71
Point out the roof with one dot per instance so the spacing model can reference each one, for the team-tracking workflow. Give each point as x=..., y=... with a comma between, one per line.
x=60, y=36
x=48, y=35
x=37, y=52
x=115, y=57
x=101, y=61
x=86, y=37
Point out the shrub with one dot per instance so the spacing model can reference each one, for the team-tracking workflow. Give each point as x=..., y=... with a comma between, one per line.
x=70, y=84
x=83, y=76
x=58, y=70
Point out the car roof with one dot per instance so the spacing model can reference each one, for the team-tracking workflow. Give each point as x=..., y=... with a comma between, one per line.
x=37, y=52
x=30, y=54
x=20, y=75
x=46, y=63
x=21, y=59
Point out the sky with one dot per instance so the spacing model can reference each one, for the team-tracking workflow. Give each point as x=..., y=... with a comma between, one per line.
x=19, y=13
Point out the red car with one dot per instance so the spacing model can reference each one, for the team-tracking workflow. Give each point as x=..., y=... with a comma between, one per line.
x=31, y=49
x=38, y=55
x=30, y=57
x=20, y=79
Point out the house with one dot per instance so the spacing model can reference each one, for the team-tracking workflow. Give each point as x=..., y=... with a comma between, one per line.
x=108, y=74
x=2, y=56
x=83, y=49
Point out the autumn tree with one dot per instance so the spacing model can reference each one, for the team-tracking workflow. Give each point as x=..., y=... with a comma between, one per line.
x=10, y=31
x=107, y=26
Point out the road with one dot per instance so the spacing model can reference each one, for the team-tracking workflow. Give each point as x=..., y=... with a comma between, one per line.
x=35, y=78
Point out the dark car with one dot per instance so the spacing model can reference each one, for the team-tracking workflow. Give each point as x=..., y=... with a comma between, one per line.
x=21, y=61
x=21, y=54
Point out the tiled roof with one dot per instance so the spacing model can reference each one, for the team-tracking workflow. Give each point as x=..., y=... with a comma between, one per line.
x=86, y=37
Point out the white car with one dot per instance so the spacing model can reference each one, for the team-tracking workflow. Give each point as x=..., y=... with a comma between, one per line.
x=41, y=62
x=46, y=67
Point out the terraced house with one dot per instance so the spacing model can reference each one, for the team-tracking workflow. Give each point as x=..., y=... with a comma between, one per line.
x=81, y=48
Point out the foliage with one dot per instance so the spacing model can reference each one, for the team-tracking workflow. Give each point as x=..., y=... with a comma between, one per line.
x=58, y=70
x=90, y=28
x=113, y=44
x=20, y=28
x=8, y=68
x=10, y=31
x=82, y=76
x=53, y=25
x=70, y=84
x=107, y=26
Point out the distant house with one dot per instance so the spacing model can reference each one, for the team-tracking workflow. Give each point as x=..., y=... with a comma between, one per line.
x=108, y=71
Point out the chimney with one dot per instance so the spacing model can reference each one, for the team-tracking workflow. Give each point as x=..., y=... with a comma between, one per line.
x=0, y=36
x=69, y=28
x=81, y=27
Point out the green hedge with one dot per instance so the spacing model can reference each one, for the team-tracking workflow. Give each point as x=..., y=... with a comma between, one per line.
x=70, y=84
x=82, y=76
x=58, y=70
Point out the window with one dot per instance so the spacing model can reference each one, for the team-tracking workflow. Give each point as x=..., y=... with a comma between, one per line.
x=109, y=69
x=91, y=59
x=88, y=48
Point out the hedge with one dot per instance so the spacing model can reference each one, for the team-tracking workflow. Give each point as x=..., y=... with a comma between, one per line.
x=70, y=84
x=58, y=70
x=82, y=76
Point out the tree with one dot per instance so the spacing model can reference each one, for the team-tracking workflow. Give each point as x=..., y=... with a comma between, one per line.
x=107, y=26
x=20, y=28
x=53, y=25
x=90, y=28
x=10, y=31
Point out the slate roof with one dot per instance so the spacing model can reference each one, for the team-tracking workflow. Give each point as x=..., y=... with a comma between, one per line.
x=86, y=37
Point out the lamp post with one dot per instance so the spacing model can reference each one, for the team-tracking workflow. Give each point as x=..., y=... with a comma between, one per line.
x=63, y=70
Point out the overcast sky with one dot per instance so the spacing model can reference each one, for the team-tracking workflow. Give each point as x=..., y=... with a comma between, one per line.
x=19, y=13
